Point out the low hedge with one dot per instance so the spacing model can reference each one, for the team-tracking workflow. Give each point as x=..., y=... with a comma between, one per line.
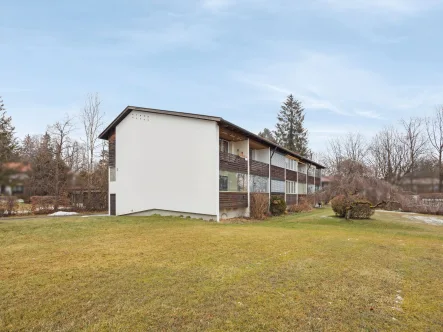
x=8, y=205
x=46, y=204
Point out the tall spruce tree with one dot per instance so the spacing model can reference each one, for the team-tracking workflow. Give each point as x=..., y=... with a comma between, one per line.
x=290, y=131
x=8, y=141
x=8, y=144
x=41, y=177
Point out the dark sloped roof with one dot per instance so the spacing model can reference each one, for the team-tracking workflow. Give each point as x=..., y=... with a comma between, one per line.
x=105, y=134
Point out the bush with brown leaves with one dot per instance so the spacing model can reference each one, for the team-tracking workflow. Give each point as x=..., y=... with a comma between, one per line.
x=259, y=206
x=303, y=206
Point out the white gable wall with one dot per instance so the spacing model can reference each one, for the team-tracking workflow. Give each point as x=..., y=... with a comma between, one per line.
x=166, y=163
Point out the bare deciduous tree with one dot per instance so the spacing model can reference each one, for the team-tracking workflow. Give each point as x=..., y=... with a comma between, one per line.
x=92, y=120
x=434, y=129
x=60, y=132
x=351, y=146
x=415, y=143
x=76, y=157
x=389, y=157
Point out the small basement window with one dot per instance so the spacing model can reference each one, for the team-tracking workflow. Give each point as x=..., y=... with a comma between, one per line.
x=112, y=174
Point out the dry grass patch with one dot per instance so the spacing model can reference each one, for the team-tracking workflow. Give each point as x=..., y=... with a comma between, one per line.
x=301, y=272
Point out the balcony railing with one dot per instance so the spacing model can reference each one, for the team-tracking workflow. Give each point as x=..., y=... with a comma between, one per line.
x=232, y=163
x=259, y=168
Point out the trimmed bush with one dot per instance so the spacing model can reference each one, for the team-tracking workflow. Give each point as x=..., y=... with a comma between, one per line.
x=339, y=205
x=351, y=207
x=278, y=205
x=361, y=210
x=259, y=206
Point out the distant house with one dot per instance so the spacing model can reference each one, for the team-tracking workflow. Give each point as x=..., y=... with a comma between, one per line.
x=326, y=181
x=14, y=181
x=172, y=163
x=422, y=183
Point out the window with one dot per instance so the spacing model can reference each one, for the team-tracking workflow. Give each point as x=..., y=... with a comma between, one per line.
x=311, y=171
x=112, y=174
x=278, y=160
x=18, y=189
x=291, y=187
x=224, y=146
x=231, y=181
x=311, y=189
x=302, y=189
x=258, y=184
x=277, y=186
x=223, y=183
x=302, y=168
x=291, y=164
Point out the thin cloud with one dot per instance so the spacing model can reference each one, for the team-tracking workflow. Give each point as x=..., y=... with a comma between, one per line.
x=334, y=83
x=216, y=5
x=369, y=114
x=383, y=6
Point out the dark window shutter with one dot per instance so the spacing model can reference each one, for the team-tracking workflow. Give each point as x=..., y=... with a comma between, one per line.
x=113, y=205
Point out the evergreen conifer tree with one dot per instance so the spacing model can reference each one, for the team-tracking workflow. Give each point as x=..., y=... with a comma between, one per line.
x=290, y=132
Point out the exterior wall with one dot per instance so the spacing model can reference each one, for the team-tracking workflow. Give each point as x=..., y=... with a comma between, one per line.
x=235, y=204
x=174, y=214
x=166, y=163
x=259, y=168
x=291, y=199
x=233, y=163
x=232, y=200
x=311, y=180
x=278, y=160
x=240, y=148
x=232, y=213
x=262, y=156
x=291, y=175
x=302, y=188
x=277, y=173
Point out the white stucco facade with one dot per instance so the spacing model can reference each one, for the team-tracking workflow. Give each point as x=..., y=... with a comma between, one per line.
x=167, y=165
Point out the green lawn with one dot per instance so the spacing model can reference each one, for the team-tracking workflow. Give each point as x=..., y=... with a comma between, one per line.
x=305, y=272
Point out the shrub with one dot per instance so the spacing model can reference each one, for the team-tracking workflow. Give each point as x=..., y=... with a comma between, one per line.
x=339, y=205
x=304, y=206
x=361, y=210
x=351, y=207
x=259, y=206
x=278, y=205
x=8, y=205
x=45, y=204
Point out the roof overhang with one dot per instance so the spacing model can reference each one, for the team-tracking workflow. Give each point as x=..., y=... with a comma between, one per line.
x=105, y=134
x=275, y=147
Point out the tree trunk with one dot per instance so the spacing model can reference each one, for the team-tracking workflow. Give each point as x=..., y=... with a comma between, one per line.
x=440, y=178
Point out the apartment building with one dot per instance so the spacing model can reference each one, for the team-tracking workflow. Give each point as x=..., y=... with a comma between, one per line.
x=183, y=164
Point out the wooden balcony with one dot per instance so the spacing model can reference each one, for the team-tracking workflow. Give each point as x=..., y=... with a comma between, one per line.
x=232, y=163
x=277, y=173
x=259, y=168
x=233, y=200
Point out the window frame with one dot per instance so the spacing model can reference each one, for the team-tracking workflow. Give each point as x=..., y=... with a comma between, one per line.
x=241, y=182
x=112, y=174
x=291, y=187
x=221, y=146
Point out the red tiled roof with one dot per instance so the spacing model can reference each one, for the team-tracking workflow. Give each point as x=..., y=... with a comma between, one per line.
x=19, y=167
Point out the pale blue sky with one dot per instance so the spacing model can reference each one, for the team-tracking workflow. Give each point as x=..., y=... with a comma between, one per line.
x=357, y=65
